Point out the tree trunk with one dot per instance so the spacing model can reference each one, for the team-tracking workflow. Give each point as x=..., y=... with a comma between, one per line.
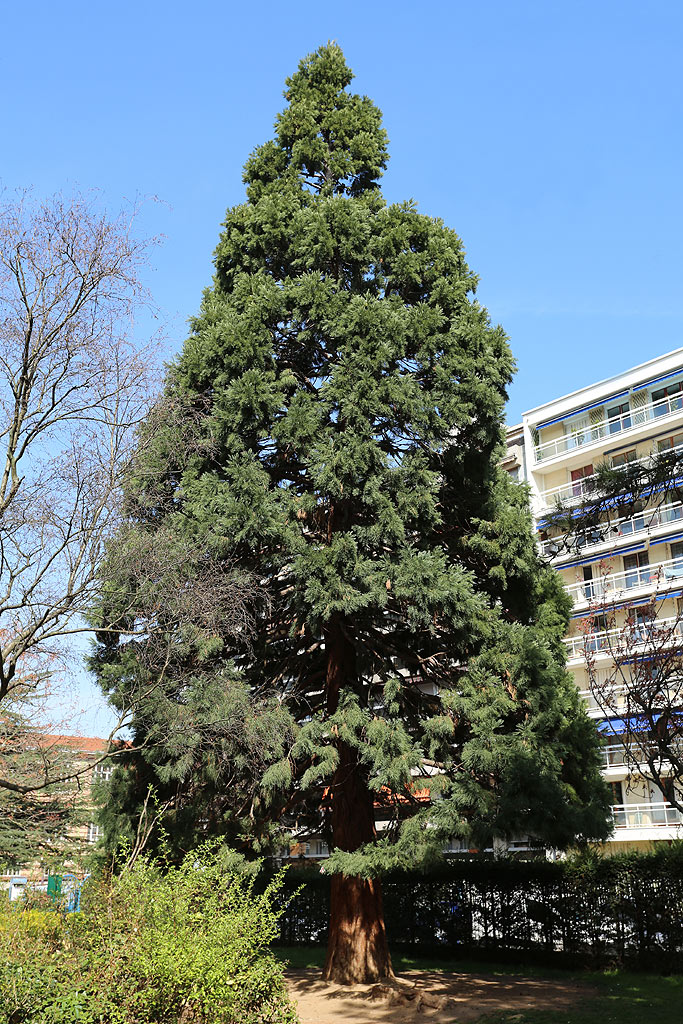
x=357, y=949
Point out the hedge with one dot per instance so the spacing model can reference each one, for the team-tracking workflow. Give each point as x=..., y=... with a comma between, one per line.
x=625, y=910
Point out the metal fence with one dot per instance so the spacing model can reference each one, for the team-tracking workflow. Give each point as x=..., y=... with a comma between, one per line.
x=618, y=914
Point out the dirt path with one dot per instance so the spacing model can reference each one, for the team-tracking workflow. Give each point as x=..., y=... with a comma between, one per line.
x=429, y=996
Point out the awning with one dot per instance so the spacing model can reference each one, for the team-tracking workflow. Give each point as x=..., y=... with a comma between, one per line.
x=600, y=558
x=626, y=445
x=584, y=408
x=619, y=499
x=608, y=399
x=618, y=726
x=656, y=380
x=640, y=603
x=666, y=539
x=626, y=603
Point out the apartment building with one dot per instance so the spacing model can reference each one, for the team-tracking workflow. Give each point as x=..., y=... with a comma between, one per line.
x=624, y=563
x=86, y=756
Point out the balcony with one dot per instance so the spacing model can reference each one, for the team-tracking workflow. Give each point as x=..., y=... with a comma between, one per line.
x=614, y=755
x=608, y=694
x=570, y=493
x=625, y=638
x=628, y=526
x=574, y=491
x=616, y=696
x=645, y=815
x=617, y=425
x=611, y=585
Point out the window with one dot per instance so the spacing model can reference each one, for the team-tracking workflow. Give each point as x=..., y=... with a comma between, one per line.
x=579, y=486
x=599, y=623
x=623, y=458
x=596, y=624
x=636, y=569
x=669, y=515
x=666, y=786
x=619, y=417
x=588, y=587
x=677, y=557
x=665, y=444
x=634, y=522
x=102, y=772
x=617, y=794
x=642, y=620
x=665, y=400
x=514, y=474
x=594, y=535
x=578, y=431
x=95, y=832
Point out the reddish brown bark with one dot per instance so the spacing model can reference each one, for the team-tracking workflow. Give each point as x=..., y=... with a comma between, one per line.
x=357, y=949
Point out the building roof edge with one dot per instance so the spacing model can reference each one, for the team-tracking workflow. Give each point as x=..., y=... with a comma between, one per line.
x=596, y=385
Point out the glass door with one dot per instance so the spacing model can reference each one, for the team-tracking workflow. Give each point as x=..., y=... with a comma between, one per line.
x=619, y=417
x=637, y=570
x=579, y=485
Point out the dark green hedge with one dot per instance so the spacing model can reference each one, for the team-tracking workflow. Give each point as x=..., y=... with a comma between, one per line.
x=625, y=910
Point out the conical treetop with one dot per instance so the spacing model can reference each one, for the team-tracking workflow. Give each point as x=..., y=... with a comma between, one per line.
x=328, y=140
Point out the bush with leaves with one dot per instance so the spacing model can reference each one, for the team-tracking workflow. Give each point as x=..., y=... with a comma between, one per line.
x=155, y=945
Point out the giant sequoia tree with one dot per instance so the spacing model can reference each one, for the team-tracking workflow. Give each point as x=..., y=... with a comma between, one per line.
x=342, y=390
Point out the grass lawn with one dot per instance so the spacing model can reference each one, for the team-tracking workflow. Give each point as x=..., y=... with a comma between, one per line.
x=624, y=998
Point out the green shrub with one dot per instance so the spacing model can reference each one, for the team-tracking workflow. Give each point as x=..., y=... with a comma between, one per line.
x=153, y=946
x=32, y=922
x=624, y=910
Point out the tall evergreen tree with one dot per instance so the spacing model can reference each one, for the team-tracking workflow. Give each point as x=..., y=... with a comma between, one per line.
x=345, y=392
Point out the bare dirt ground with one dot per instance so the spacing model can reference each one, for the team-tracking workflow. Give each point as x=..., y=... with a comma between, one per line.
x=429, y=996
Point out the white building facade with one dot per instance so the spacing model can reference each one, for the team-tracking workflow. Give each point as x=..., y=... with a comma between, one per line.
x=624, y=562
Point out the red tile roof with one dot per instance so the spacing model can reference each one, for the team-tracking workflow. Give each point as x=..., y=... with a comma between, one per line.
x=89, y=744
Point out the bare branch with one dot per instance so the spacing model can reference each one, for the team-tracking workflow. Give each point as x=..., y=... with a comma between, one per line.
x=73, y=389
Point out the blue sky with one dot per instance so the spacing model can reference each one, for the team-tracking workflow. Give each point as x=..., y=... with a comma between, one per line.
x=547, y=134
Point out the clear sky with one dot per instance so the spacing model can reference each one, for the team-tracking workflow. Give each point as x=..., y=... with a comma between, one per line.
x=547, y=134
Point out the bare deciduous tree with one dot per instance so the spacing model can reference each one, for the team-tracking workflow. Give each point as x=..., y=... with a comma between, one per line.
x=640, y=684
x=642, y=689
x=78, y=410
x=73, y=388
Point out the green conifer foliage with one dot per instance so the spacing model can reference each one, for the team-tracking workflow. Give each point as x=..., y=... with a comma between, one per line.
x=346, y=392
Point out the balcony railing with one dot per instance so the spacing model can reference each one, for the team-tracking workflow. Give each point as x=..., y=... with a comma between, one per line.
x=608, y=694
x=628, y=526
x=571, y=492
x=575, y=490
x=616, y=425
x=614, y=692
x=609, y=585
x=614, y=755
x=660, y=631
x=645, y=815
